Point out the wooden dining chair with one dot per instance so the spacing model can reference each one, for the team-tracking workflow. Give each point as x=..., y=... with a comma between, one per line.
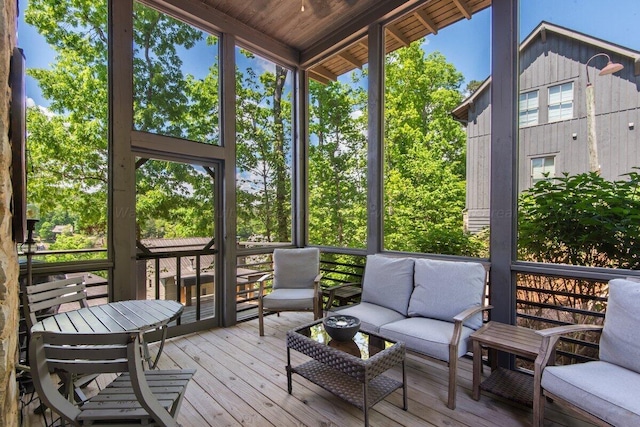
x=42, y=300
x=46, y=298
x=135, y=397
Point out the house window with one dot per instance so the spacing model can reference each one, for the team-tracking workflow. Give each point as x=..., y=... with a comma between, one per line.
x=528, y=107
x=542, y=168
x=561, y=102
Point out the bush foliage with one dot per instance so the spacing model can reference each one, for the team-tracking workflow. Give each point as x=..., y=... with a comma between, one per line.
x=582, y=220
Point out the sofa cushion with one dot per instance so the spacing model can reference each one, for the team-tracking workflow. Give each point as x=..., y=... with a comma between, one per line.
x=388, y=282
x=601, y=388
x=444, y=289
x=426, y=336
x=620, y=341
x=289, y=299
x=371, y=316
x=295, y=268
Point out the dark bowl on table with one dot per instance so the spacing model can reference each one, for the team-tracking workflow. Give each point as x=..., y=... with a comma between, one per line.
x=341, y=328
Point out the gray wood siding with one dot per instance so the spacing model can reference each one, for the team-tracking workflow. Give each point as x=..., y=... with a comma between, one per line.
x=560, y=60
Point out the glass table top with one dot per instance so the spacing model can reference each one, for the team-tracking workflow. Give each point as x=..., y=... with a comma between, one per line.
x=363, y=344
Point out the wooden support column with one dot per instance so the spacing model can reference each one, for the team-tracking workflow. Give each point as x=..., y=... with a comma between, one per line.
x=300, y=200
x=122, y=175
x=375, y=146
x=504, y=133
x=227, y=213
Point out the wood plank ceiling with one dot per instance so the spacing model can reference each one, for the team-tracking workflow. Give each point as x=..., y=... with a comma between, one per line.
x=283, y=21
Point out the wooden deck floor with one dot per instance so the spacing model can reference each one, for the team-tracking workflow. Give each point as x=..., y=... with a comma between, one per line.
x=241, y=380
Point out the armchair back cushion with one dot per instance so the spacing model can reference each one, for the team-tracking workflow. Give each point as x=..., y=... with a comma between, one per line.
x=295, y=268
x=444, y=289
x=388, y=282
x=620, y=341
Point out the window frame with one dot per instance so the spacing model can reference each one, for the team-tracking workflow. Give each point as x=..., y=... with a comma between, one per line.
x=528, y=110
x=543, y=158
x=561, y=103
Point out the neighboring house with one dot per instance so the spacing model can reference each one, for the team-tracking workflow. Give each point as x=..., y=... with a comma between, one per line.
x=552, y=115
x=168, y=268
x=62, y=229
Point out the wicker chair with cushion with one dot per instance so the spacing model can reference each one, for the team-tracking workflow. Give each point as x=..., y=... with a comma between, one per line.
x=296, y=283
x=604, y=391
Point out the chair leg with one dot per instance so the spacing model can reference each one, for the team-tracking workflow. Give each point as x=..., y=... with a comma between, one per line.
x=260, y=319
x=453, y=382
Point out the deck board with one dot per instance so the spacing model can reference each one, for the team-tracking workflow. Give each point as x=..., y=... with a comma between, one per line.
x=241, y=380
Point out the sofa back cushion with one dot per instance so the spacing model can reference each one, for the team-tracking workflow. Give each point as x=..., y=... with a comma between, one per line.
x=620, y=341
x=295, y=268
x=388, y=282
x=444, y=289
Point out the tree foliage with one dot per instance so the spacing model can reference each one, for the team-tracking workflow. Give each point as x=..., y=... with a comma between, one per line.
x=425, y=156
x=582, y=220
x=337, y=165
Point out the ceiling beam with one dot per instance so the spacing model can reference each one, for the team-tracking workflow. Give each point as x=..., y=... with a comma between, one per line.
x=463, y=8
x=322, y=71
x=351, y=59
x=423, y=17
x=207, y=18
x=317, y=77
x=397, y=34
x=355, y=29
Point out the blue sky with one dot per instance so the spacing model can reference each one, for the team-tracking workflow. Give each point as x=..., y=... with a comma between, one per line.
x=466, y=44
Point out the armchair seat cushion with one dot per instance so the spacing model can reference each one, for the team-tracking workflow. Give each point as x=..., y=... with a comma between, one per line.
x=601, y=388
x=427, y=336
x=371, y=316
x=289, y=299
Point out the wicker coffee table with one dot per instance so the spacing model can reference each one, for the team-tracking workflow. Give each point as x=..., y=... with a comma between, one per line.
x=351, y=370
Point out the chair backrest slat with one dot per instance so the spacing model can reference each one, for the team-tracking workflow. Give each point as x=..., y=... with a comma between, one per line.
x=50, y=295
x=83, y=353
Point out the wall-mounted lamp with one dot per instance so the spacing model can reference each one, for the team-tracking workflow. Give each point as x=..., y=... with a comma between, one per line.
x=610, y=68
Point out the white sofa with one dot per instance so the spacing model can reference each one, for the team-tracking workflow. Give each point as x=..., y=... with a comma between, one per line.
x=431, y=305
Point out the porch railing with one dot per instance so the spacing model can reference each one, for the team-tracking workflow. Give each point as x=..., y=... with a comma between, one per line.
x=543, y=300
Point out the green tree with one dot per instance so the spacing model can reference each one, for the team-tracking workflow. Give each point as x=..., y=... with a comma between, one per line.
x=263, y=154
x=68, y=142
x=425, y=155
x=337, y=164
x=472, y=86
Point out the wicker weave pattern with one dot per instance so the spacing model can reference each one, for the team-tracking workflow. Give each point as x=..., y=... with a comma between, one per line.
x=356, y=380
x=345, y=387
x=362, y=370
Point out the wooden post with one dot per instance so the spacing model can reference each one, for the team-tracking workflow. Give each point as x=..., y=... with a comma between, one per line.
x=592, y=142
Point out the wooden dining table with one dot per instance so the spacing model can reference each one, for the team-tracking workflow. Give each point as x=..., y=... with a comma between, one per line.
x=119, y=316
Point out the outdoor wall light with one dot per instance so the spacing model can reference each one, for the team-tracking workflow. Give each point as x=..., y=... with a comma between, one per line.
x=610, y=68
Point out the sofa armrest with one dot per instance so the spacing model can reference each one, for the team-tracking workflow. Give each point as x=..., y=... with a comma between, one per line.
x=461, y=317
x=459, y=321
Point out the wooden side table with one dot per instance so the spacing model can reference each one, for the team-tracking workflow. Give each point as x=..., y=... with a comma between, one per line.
x=512, y=339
